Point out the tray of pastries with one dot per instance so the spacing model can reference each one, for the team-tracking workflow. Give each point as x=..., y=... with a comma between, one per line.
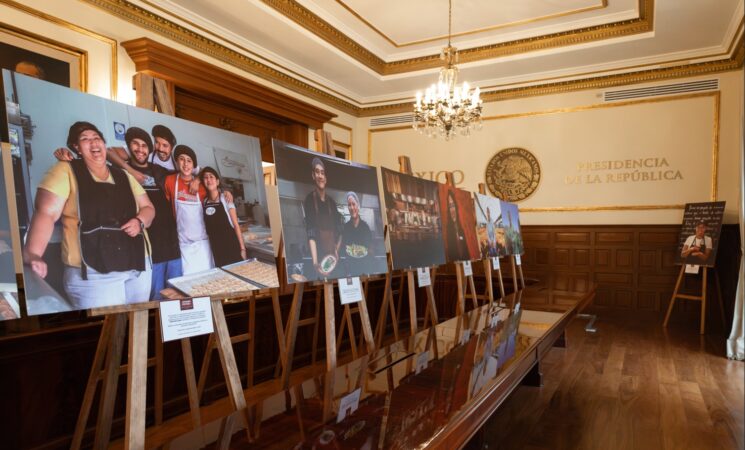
x=211, y=282
x=262, y=274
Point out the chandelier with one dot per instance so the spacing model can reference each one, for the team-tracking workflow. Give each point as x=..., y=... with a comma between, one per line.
x=447, y=109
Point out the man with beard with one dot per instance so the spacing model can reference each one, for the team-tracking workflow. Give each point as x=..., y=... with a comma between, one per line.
x=163, y=237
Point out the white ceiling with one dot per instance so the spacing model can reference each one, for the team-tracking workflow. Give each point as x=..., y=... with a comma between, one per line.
x=688, y=30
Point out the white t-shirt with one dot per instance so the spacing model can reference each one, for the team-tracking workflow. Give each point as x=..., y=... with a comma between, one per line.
x=168, y=164
x=694, y=241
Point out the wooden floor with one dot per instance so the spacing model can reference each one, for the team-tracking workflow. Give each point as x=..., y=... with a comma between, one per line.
x=631, y=385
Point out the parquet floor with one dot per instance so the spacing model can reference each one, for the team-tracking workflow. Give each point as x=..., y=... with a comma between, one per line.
x=632, y=385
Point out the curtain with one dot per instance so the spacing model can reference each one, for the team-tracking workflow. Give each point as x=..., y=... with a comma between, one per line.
x=736, y=341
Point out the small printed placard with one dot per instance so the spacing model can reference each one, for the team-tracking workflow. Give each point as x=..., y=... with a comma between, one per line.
x=518, y=260
x=181, y=319
x=467, y=269
x=348, y=405
x=422, y=361
x=422, y=274
x=495, y=263
x=465, y=336
x=350, y=290
x=692, y=268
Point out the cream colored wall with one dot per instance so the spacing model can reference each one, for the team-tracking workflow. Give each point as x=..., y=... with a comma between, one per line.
x=566, y=130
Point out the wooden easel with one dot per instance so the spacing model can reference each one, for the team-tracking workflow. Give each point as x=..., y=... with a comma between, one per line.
x=107, y=368
x=488, y=269
x=464, y=282
x=701, y=298
x=430, y=315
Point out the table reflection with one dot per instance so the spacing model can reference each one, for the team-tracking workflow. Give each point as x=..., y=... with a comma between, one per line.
x=410, y=389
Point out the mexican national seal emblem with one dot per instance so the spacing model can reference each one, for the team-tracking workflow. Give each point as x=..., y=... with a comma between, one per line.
x=513, y=174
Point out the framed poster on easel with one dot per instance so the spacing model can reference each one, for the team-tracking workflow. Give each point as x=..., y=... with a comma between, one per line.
x=696, y=253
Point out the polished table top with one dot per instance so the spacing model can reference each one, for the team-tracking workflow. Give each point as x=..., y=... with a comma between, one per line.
x=410, y=392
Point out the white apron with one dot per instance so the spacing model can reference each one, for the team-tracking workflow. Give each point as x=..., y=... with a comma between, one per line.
x=196, y=255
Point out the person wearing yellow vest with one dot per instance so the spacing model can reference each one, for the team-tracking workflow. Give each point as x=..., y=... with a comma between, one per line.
x=104, y=213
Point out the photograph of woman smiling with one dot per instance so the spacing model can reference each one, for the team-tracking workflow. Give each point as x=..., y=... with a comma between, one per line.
x=221, y=221
x=104, y=213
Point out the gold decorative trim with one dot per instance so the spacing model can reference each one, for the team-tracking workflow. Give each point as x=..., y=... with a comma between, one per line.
x=602, y=82
x=78, y=29
x=310, y=21
x=716, y=95
x=164, y=27
x=80, y=54
x=157, y=24
x=603, y=4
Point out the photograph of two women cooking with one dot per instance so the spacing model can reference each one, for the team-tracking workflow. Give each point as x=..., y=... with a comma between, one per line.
x=119, y=200
x=331, y=220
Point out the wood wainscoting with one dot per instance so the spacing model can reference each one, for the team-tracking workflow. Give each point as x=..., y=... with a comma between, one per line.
x=633, y=266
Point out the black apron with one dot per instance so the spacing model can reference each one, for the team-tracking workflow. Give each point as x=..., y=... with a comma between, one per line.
x=224, y=243
x=102, y=209
x=327, y=233
x=163, y=235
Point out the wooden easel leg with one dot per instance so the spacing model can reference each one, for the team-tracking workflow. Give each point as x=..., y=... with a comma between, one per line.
x=366, y=326
x=226, y=432
x=110, y=381
x=330, y=321
x=281, y=340
x=158, y=371
x=191, y=383
x=316, y=324
x=251, y=340
x=204, y=370
x=291, y=333
x=346, y=322
x=522, y=278
x=461, y=305
x=472, y=287
x=229, y=367
x=514, y=274
x=703, y=301
x=134, y=427
x=489, y=282
x=383, y=314
x=399, y=302
x=393, y=312
x=90, y=388
x=434, y=317
x=501, y=286
x=675, y=295
x=412, y=302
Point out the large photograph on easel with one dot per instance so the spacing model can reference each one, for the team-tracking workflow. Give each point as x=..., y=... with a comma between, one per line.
x=489, y=230
x=699, y=234
x=458, y=224
x=120, y=205
x=510, y=223
x=414, y=223
x=331, y=221
x=9, y=304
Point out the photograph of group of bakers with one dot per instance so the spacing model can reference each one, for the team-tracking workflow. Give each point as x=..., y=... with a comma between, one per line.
x=458, y=224
x=118, y=204
x=699, y=234
x=414, y=223
x=497, y=227
x=331, y=221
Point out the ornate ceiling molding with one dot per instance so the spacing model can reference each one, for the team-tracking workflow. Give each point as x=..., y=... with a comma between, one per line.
x=316, y=25
x=129, y=12
x=175, y=32
x=601, y=82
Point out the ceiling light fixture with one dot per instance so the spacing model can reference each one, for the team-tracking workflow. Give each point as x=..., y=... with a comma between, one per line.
x=447, y=109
